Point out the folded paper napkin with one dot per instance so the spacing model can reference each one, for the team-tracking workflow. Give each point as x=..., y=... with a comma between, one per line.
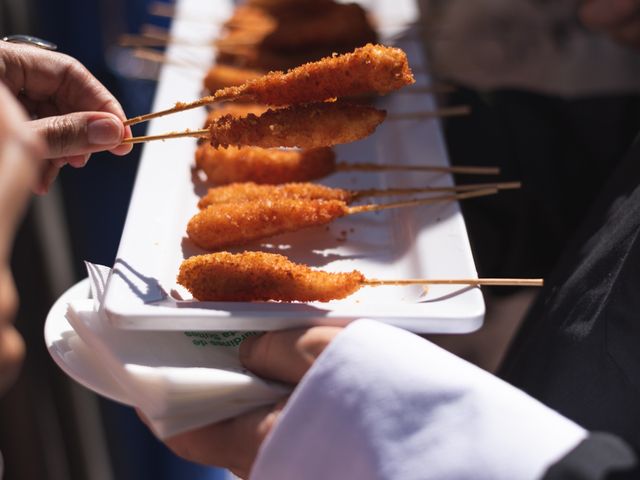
x=179, y=380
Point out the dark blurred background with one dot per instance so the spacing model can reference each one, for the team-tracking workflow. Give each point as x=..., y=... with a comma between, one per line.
x=51, y=428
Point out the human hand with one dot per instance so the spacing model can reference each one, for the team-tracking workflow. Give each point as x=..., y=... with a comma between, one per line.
x=20, y=167
x=620, y=19
x=283, y=356
x=71, y=110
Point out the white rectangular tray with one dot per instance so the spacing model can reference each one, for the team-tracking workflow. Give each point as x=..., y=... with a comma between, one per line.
x=428, y=241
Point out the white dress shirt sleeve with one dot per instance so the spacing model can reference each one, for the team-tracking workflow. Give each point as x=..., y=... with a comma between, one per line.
x=382, y=403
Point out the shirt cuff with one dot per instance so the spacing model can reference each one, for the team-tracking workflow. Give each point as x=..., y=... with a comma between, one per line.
x=382, y=403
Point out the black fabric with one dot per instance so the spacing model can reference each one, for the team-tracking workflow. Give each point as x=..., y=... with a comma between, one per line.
x=599, y=457
x=579, y=348
x=563, y=152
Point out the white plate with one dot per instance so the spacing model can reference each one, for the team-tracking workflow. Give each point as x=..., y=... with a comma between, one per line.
x=407, y=243
x=72, y=354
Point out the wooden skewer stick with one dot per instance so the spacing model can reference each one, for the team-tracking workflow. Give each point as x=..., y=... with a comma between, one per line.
x=161, y=9
x=154, y=40
x=204, y=133
x=419, y=168
x=456, y=111
x=521, y=282
x=131, y=41
x=421, y=201
x=457, y=188
x=181, y=107
x=155, y=31
x=164, y=10
x=150, y=55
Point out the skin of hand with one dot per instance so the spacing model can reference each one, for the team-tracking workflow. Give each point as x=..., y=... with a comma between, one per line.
x=283, y=356
x=620, y=19
x=20, y=169
x=69, y=108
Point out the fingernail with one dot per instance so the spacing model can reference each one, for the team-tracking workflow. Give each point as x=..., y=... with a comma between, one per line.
x=105, y=131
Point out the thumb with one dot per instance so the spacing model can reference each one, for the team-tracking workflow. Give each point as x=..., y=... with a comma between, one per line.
x=79, y=134
x=285, y=355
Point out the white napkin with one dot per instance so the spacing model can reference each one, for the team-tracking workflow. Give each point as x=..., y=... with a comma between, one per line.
x=180, y=381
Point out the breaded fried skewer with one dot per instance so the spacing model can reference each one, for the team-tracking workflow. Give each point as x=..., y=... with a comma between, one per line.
x=258, y=276
x=249, y=191
x=234, y=109
x=275, y=166
x=305, y=126
x=369, y=69
x=231, y=224
x=265, y=166
x=332, y=25
x=311, y=125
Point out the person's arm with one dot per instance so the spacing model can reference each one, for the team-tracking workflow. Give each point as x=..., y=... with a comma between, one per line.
x=619, y=19
x=74, y=113
x=20, y=168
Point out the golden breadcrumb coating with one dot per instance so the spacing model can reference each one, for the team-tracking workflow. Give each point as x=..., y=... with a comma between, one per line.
x=369, y=69
x=304, y=126
x=262, y=165
x=257, y=276
x=230, y=224
x=235, y=109
x=223, y=76
x=250, y=191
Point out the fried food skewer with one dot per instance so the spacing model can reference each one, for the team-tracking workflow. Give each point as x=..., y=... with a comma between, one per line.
x=303, y=126
x=264, y=166
x=258, y=276
x=331, y=25
x=232, y=224
x=249, y=191
x=276, y=166
x=369, y=69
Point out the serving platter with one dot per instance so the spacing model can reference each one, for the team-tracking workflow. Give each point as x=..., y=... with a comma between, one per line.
x=417, y=242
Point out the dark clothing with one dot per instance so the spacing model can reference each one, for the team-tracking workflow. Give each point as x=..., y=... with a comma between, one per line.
x=600, y=456
x=563, y=152
x=579, y=348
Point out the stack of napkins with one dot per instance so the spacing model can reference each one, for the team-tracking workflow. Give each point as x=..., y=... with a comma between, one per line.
x=179, y=380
